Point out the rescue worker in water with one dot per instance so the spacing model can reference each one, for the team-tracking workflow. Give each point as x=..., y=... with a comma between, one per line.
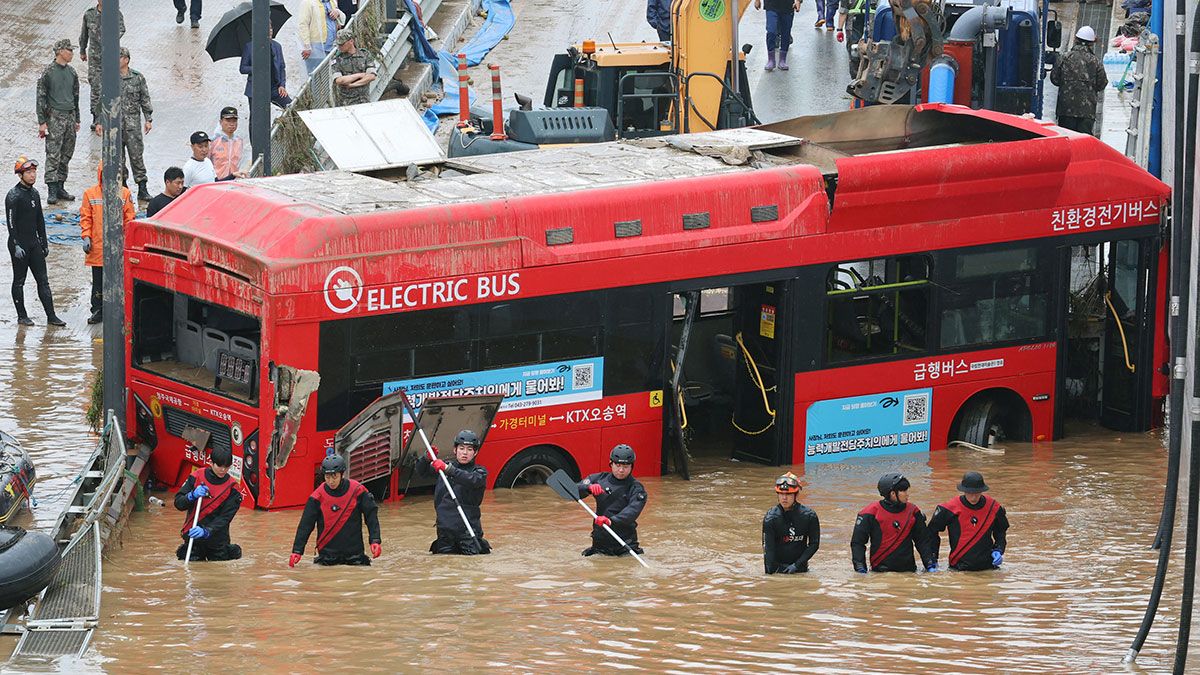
x=791, y=532
x=978, y=527
x=219, y=503
x=468, y=480
x=893, y=526
x=620, y=499
x=338, y=508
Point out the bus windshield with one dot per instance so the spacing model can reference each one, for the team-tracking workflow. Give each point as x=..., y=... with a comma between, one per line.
x=194, y=342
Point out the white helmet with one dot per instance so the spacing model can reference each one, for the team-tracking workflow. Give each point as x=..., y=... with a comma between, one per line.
x=1086, y=33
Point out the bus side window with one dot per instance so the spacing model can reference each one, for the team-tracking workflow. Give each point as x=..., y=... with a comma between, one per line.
x=994, y=296
x=877, y=307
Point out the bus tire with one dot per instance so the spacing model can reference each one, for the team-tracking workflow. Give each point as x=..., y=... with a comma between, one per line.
x=979, y=424
x=992, y=416
x=533, y=466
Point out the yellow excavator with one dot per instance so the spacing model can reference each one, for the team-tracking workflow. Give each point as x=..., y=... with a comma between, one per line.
x=601, y=90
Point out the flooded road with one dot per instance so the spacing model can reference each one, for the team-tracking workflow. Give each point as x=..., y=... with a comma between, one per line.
x=1069, y=598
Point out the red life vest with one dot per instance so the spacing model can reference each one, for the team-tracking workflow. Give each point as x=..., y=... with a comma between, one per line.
x=335, y=511
x=894, y=529
x=217, y=494
x=973, y=524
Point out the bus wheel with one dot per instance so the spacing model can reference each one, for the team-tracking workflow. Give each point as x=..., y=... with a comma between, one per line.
x=989, y=419
x=534, y=465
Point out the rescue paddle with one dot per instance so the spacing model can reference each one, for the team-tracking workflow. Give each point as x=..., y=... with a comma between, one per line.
x=433, y=456
x=569, y=490
x=191, y=540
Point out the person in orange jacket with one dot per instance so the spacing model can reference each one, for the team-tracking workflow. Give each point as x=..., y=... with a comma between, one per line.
x=91, y=225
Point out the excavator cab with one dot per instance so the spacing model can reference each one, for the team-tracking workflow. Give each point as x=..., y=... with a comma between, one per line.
x=633, y=82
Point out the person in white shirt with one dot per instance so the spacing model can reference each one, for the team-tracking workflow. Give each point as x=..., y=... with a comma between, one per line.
x=198, y=168
x=319, y=23
x=229, y=151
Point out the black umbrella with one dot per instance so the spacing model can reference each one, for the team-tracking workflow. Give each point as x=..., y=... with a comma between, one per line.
x=232, y=32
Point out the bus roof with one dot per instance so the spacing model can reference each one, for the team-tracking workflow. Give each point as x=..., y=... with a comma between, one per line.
x=852, y=170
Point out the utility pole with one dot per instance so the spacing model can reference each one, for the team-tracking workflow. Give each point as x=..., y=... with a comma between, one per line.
x=114, y=229
x=261, y=87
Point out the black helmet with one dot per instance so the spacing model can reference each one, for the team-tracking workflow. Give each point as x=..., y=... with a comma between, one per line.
x=467, y=437
x=892, y=481
x=333, y=464
x=622, y=454
x=972, y=481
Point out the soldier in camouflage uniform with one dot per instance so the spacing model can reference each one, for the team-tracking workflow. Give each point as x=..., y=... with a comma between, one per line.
x=135, y=101
x=1080, y=77
x=357, y=68
x=91, y=34
x=58, y=118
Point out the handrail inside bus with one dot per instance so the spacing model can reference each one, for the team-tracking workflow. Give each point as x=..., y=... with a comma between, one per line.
x=879, y=287
x=755, y=377
x=1120, y=329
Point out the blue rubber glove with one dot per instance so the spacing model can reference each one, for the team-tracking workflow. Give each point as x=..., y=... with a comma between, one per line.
x=932, y=568
x=997, y=557
x=198, y=532
x=198, y=492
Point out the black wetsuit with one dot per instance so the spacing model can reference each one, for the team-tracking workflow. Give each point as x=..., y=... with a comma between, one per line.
x=790, y=539
x=622, y=502
x=868, y=528
x=979, y=555
x=216, y=546
x=346, y=545
x=469, y=482
x=27, y=229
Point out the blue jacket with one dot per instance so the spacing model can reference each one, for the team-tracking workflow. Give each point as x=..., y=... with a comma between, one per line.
x=658, y=15
x=278, y=74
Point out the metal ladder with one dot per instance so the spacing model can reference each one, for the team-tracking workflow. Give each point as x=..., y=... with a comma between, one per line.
x=1146, y=55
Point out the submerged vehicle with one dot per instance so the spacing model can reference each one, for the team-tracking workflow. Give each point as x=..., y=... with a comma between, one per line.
x=17, y=477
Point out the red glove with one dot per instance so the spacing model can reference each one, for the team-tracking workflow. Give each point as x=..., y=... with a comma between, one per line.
x=438, y=465
x=841, y=37
x=376, y=550
x=602, y=521
x=293, y=559
x=596, y=490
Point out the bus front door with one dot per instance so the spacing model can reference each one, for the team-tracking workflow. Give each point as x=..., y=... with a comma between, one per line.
x=1128, y=345
x=760, y=416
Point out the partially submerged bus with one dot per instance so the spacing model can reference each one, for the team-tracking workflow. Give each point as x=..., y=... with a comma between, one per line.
x=884, y=280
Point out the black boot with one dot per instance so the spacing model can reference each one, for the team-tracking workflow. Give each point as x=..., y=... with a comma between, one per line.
x=143, y=192
x=53, y=320
x=63, y=195
x=24, y=321
x=96, y=317
x=51, y=193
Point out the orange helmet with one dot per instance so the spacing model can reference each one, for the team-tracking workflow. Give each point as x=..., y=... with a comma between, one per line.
x=787, y=484
x=24, y=164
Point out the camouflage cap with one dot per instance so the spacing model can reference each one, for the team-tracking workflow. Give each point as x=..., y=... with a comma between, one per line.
x=125, y=52
x=343, y=36
x=63, y=44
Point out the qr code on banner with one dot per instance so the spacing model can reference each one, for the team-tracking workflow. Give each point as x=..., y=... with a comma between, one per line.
x=582, y=375
x=916, y=409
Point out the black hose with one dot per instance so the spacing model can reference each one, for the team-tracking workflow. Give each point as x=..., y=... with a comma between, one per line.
x=1180, y=289
x=1193, y=497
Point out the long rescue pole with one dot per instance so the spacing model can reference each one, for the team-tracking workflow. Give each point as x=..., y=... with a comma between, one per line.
x=432, y=456
x=187, y=558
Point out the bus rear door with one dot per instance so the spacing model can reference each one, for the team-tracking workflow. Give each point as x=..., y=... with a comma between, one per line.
x=761, y=417
x=1128, y=347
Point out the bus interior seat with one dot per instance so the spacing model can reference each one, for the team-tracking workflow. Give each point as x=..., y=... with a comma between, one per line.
x=243, y=347
x=214, y=341
x=189, y=345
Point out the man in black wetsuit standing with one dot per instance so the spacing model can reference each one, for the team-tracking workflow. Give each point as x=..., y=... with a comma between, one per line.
x=893, y=527
x=978, y=527
x=791, y=532
x=620, y=499
x=337, y=508
x=27, y=243
x=219, y=503
x=468, y=480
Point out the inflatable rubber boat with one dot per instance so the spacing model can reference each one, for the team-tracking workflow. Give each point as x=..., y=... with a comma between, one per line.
x=16, y=477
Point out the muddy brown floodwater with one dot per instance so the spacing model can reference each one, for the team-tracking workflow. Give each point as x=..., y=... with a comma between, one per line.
x=1069, y=598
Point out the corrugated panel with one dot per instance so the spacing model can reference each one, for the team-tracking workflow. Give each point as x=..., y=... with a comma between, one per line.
x=51, y=644
x=371, y=460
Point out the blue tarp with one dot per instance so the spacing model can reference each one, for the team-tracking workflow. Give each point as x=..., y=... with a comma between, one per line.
x=62, y=227
x=499, y=21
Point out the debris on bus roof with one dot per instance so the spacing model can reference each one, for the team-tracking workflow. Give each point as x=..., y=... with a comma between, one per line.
x=373, y=136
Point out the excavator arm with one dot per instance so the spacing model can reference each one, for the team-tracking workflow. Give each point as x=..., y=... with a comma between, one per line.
x=889, y=69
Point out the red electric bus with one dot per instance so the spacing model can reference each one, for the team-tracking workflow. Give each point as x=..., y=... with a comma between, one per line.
x=878, y=281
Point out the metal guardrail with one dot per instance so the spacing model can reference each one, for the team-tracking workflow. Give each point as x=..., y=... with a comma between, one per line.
x=293, y=148
x=1137, y=145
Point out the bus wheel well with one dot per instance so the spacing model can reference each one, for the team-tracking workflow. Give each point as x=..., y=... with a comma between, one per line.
x=992, y=415
x=533, y=465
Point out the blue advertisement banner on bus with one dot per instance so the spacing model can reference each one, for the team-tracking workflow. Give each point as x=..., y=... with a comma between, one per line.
x=891, y=423
x=523, y=387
